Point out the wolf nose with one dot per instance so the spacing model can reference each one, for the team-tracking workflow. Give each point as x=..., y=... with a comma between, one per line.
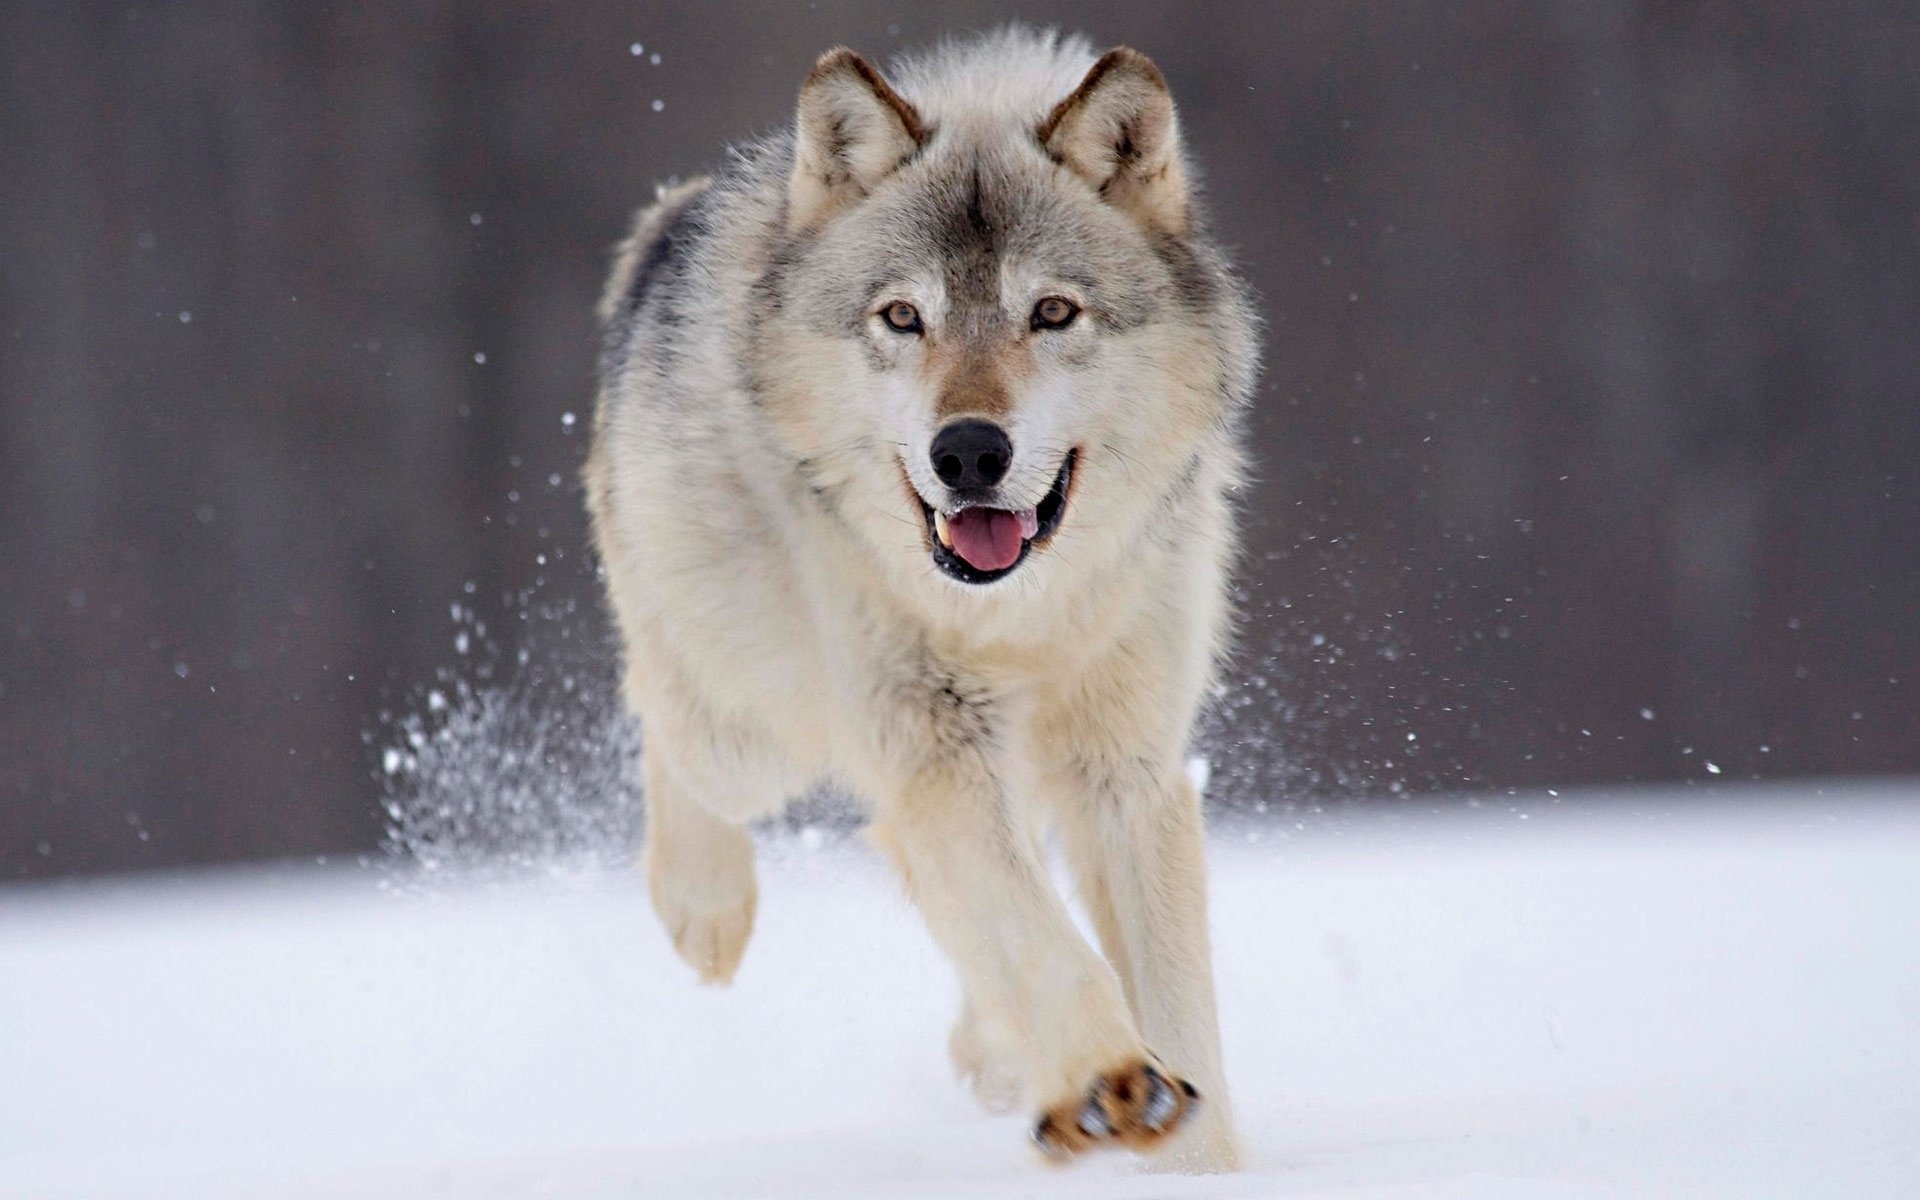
x=971, y=454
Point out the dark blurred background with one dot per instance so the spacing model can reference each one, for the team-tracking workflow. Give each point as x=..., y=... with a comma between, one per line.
x=1590, y=441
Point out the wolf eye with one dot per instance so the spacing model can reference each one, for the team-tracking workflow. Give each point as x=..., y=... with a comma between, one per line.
x=1054, y=312
x=902, y=317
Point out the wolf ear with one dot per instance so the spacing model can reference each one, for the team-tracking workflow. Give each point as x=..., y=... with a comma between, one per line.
x=1118, y=132
x=852, y=131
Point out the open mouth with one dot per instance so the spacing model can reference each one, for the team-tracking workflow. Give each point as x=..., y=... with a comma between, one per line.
x=978, y=544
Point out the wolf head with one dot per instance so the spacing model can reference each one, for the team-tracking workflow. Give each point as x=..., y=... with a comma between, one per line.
x=992, y=334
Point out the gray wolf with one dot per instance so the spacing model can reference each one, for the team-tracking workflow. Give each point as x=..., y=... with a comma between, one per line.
x=912, y=467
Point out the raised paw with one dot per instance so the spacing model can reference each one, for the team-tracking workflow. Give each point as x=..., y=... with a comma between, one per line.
x=703, y=890
x=712, y=943
x=1135, y=1106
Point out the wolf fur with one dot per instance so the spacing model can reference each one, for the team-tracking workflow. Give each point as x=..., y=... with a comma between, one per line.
x=762, y=501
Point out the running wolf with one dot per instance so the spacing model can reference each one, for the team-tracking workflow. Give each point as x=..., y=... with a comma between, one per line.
x=917, y=430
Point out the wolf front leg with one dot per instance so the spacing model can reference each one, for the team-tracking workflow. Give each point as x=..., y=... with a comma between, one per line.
x=1141, y=864
x=1136, y=840
x=985, y=895
x=699, y=874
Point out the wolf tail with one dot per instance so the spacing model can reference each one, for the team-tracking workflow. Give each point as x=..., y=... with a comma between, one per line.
x=646, y=247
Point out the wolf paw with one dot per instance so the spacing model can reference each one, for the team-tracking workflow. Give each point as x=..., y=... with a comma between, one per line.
x=706, y=902
x=978, y=1061
x=1135, y=1106
x=712, y=943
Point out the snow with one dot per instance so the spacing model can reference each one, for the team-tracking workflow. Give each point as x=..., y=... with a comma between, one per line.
x=1636, y=995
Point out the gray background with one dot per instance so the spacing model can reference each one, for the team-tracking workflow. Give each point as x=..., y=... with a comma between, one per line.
x=1589, y=443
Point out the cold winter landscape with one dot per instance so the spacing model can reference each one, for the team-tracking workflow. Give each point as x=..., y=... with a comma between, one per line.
x=1631, y=994
x=1565, y=771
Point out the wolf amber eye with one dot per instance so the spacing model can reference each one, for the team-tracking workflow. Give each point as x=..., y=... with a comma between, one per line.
x=901, y=317
x=1055, y=312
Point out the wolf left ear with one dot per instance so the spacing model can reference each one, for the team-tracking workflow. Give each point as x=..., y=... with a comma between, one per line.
x=852, y=131
x=1118, y=132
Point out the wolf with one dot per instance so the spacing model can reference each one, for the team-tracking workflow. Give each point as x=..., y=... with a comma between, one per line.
x=913, y=472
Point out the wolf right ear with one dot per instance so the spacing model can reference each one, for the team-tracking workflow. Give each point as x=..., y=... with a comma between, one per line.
x=852, y=131
x=1118, y=132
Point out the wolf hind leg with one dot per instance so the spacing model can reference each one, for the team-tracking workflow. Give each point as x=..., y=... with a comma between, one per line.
x=699, y=874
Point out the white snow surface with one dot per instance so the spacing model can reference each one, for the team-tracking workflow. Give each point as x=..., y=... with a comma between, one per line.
x=1634, y=995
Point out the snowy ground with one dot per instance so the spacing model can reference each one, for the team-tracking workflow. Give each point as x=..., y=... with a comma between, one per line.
x=1641, y=996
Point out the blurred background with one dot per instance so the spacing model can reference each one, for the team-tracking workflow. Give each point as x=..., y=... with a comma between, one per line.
x=1589, y=445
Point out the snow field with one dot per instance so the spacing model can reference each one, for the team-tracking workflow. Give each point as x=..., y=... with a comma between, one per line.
x=1636, y=995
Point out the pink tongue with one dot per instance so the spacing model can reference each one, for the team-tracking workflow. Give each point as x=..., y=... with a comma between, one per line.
x=988, y=538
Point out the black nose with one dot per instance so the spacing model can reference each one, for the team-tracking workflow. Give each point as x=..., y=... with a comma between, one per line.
x=971, y=454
